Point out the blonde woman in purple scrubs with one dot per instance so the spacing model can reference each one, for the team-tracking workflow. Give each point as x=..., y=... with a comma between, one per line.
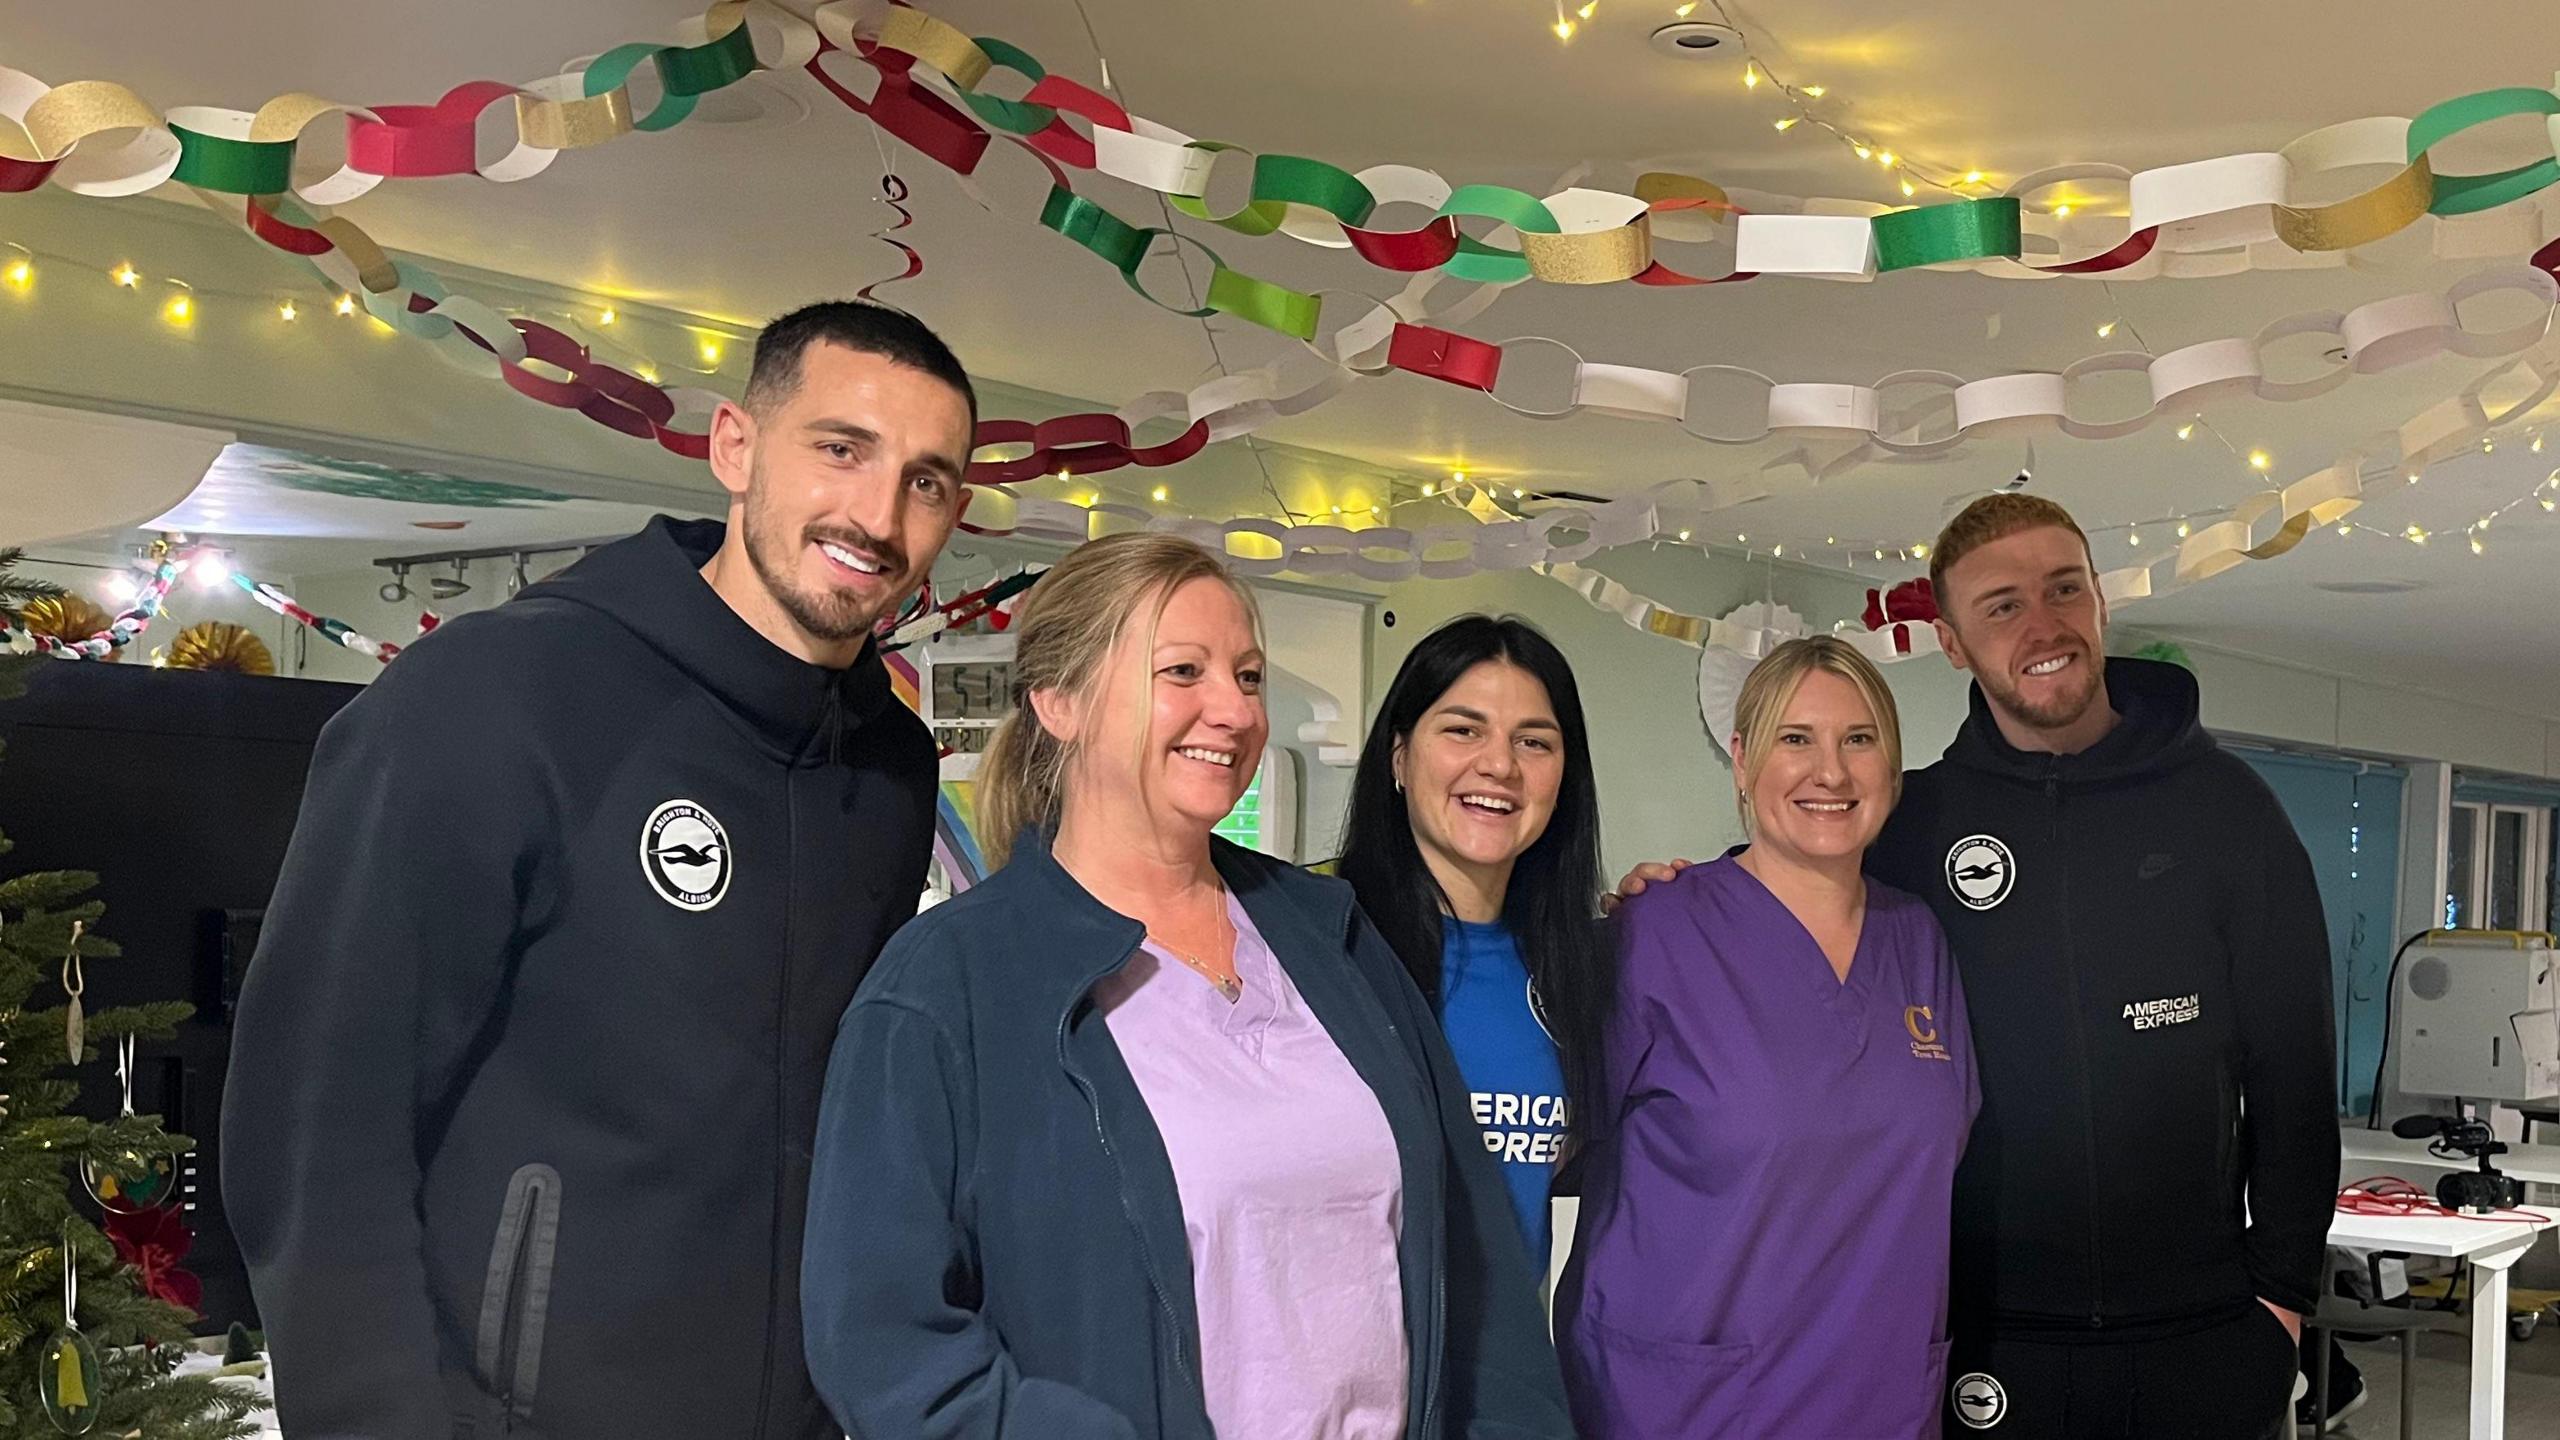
x=1763, y=1243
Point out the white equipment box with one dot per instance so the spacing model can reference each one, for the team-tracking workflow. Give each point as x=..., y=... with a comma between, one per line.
x=2476, y=1014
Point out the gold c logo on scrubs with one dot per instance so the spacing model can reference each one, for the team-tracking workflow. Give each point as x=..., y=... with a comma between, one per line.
x=1924, y=1033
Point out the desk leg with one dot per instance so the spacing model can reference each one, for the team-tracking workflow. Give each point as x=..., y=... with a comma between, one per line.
x=2489, y=1349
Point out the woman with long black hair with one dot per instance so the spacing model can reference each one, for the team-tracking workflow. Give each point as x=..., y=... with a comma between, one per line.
x=1473, y=843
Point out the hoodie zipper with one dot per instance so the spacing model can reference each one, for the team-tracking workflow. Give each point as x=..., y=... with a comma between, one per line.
x=1155, y=1283
x=2080, y=1036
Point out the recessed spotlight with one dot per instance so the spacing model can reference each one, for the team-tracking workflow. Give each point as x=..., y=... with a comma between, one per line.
x=1698, y=40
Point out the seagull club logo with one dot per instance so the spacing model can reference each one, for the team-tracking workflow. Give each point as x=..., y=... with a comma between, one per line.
x=1980, y=871
x=1980, y=1403
x=685, y=854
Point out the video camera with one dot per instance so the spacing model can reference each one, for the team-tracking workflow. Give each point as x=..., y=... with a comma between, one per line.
x=2454, y=1136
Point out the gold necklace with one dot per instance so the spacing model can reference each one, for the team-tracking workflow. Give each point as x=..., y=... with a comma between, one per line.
x=1231, y=986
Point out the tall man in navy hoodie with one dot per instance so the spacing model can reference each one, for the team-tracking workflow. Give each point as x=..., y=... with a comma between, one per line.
x=2142, y=1211
x=527, y=1066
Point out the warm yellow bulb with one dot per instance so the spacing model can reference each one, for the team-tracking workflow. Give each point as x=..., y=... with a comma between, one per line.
x=2187, y=430
x=1885, y=158
x=1681, y=11
x=2107, y=329
x=2259, y=460
x=2416, y=535
x=1741, y=539
x=2536, y=446
x=710, y=352
x=1863, y=151
x=1337, y=509
x=21, y=273
x=2477, y=548
x=2182, y=529
x=607, y=317
x=1564, y=29
x=1429, y=489
x=1684, y=535
x=2134, y=538
x=1973, y=177
x=1879, y=554
x=648, y=373
x=1161, y=493
x=2550, y=504
x=346, y=305
x=1787, y=124
x=127, y=276
x=1816, y=91
x=1750, y=75
x=1908, y=189
x=2061, y=212
x=1519, y=494
x=2413, y=477
x=1585, y=11
x=179, y=310
x=287, y=311
x=1919, y=552
x=2345, y=531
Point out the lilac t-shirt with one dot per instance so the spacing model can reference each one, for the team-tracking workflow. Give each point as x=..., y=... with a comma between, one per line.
x=1292, y=1196
x=1763, y=1243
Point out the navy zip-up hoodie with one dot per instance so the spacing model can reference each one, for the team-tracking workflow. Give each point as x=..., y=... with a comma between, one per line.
x=996, y=1249
x=2147, y=968
x=517, y=1126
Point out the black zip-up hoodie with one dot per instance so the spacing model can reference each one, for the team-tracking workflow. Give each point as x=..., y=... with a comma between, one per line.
x=527, y=1067
x=2147, y=968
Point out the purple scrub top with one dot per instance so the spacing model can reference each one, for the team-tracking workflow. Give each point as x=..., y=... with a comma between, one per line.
x=1762, y=1247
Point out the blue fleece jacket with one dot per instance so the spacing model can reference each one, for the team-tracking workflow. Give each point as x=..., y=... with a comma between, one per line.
x=995, y=1247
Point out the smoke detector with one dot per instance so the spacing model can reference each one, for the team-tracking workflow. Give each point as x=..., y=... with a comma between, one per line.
x=1698, y=40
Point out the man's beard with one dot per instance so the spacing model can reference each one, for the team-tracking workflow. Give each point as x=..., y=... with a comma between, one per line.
x=2058, y=714
x=831, y=614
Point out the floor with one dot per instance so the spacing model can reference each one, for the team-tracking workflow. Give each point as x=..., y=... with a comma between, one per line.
x=2444, y=1378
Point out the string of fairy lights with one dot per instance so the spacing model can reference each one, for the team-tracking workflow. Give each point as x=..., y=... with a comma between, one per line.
x=635, y=341
x=706, y=350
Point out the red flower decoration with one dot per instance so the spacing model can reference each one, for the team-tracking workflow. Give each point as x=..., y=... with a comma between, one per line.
x=155, y=1242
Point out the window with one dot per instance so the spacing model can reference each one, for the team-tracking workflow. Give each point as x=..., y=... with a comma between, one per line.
x=1243, y=825
x=2498, y=866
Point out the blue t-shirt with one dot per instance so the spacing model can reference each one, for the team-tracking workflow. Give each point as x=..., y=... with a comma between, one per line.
x=1509, y=1063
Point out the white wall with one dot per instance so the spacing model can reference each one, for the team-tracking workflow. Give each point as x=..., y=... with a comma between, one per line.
x=1664, y=790
x=2249, y=695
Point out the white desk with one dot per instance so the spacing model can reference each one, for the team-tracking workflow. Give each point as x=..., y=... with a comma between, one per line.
x=2488, y=1248
x=2364, y=1153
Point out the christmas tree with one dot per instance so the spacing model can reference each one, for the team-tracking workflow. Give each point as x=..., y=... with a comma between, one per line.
x=120, y=1382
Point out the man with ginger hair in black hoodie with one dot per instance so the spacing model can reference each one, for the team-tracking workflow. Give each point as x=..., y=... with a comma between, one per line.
x=2142, y=1214
x=519, y=1112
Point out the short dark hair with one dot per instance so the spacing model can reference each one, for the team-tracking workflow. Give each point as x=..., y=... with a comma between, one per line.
x=856, y=325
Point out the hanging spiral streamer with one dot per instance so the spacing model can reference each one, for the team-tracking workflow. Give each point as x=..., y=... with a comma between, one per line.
x=893, y=193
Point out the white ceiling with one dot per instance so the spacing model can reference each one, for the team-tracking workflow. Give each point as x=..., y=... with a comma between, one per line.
x=747, y=220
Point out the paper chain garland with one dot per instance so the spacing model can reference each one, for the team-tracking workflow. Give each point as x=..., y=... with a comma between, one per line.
x=134, y=619
x=338, y=630
x=2383, y=335
x=2199, y=216
x=1896, y=641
